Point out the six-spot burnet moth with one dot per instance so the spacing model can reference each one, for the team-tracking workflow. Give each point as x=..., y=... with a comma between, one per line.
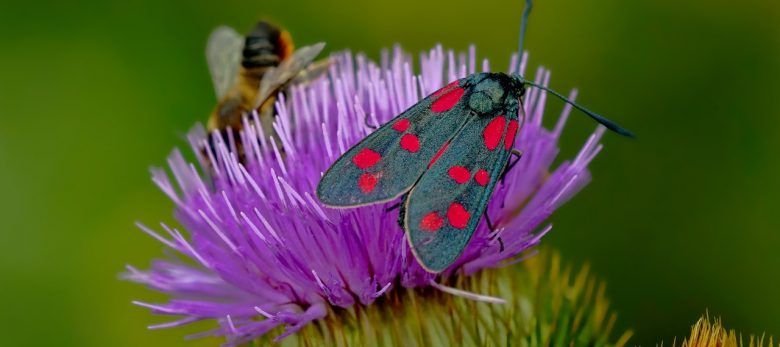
x=444, y=155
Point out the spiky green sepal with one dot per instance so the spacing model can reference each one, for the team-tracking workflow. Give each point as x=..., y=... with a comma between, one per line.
x=545, y=306
x=706, y=333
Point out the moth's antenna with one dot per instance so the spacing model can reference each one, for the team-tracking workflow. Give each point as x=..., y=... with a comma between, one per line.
x=605, y=122
x=523, y=25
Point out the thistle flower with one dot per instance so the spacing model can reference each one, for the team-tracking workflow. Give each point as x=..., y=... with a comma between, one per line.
x=265, y=253
x=706, y=333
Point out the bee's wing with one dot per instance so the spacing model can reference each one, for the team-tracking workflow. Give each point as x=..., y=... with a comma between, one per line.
x=313, y=71
x=223, y=55
x=277, y=77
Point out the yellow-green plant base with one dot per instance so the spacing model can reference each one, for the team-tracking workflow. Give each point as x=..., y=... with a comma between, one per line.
x=546, y=306
x=706, y=333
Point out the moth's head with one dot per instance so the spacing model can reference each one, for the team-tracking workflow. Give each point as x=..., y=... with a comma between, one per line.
x=518, y=85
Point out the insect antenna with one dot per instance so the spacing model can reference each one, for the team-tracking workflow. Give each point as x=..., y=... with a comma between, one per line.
x=523, y=25
x=604, y=121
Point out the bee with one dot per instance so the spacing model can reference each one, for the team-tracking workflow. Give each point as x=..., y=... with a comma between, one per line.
x=248, y=72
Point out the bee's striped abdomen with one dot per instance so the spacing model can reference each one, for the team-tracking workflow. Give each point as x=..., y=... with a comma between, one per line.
x=266, y=46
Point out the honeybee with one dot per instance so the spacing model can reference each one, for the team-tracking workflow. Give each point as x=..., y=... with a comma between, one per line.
x=248, y=72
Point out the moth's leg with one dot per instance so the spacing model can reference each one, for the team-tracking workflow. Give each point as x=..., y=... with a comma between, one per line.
x=493, y=231
x=489, y=223
x=395, y=206
x=402, y=212
x=517, y=154
x=369, y=125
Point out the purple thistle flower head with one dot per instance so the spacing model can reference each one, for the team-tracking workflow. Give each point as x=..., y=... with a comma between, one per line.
x=265, y=253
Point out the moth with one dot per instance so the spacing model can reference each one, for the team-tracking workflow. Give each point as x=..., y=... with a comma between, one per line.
x=444, y=156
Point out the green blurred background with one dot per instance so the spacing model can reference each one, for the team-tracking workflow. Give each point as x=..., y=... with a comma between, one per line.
x=681, y=220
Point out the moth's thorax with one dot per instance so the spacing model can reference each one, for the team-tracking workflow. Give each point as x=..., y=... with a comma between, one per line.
x=493, y=93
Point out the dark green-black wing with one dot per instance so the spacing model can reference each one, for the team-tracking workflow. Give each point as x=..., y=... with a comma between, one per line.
x=445, y=206
x=386, y=164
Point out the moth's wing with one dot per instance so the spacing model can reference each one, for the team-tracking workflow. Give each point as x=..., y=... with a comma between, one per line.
x=445, y=206
x=389, y=161
x=276, y=77
x=223, y=55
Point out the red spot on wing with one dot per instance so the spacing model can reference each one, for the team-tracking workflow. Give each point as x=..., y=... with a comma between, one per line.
x=460, y=174
x=458, y=216
x=438, y=154
x=447, y=101
x=410, y=142
x=401, y=125
x=367, y=182
x=366, y=158
x=431, y=222
x=482, y=177
x=493, y=131
x=446, y=88
x=511, y=131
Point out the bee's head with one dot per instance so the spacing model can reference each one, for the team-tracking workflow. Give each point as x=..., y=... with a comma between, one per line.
x=263, y=29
